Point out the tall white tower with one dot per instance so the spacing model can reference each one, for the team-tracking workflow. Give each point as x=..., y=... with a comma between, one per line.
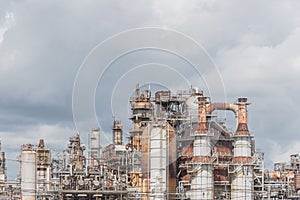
x=28, y=173
x=94, y=144
x=2, y=166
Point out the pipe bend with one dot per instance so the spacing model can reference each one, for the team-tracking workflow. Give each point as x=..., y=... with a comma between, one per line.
x=222, y=106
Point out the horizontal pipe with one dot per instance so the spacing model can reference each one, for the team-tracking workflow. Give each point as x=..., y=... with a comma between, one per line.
x=222, y=106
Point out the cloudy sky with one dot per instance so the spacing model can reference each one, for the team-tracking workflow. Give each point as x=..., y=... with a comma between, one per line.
x=254, y=44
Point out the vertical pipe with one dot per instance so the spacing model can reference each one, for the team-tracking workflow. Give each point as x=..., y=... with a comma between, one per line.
x=92, y=161
x=171, y=162
x=145, y=167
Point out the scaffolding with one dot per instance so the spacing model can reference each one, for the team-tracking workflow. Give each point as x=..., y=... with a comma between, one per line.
x=177, y=149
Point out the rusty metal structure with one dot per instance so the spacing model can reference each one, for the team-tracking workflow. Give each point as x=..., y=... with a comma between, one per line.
x=3, y=178
x=178, y=148
x=94, y=146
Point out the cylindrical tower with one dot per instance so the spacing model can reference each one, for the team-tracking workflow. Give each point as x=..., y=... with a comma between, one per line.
x=117, y=133
x=43, y=165
x=28, y=173
x=201, y=167
x=242, y=180
x=94, y=144
x=142, y=111
x=2, y=166
x=158, y=163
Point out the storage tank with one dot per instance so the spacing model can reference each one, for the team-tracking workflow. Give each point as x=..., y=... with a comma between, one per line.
x=28, y=173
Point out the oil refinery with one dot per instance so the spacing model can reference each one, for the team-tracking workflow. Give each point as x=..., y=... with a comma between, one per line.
x=177, y=149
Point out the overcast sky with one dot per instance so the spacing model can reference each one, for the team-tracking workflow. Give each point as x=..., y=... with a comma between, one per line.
x=254, y=43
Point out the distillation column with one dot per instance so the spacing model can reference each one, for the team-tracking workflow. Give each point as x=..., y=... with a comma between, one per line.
x=158, y=163
x=43, y=167
x=142, y=110
x=138, y=148
x=94, y=146
x=202, y=171
x=242, y=182
x=2, y=167
x=28, y=173
x=117, y=133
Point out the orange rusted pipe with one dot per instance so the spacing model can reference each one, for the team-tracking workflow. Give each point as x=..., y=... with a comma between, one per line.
x=242, y=116
x=92, y=161
x=222, y=106
x=242, y=111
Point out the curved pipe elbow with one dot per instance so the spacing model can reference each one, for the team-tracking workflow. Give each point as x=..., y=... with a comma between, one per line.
x=222, y=106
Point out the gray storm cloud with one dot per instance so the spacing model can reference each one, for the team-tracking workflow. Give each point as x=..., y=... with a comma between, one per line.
x=42, y=45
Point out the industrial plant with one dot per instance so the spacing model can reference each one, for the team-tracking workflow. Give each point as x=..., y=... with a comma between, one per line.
x=178, y=148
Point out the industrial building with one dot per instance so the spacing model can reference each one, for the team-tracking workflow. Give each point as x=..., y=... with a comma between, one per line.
x=178, y=148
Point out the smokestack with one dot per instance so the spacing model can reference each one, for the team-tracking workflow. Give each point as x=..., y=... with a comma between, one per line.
x=242, y=182
x=242, y=114
x=42, y=143
x=202, y=124
x=137, y=92
x=202, y=179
